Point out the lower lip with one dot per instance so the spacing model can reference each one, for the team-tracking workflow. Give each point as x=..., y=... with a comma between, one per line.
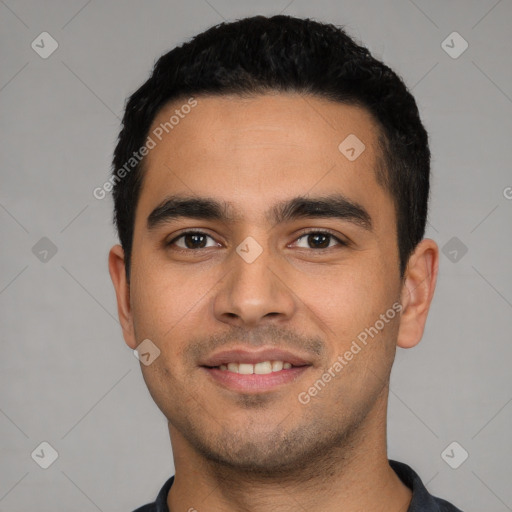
x=255, y=383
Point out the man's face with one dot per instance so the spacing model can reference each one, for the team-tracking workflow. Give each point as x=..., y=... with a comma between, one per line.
x=260, y=278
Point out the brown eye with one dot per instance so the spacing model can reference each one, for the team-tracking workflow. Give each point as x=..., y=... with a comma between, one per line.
x=192, y=240
x=319, y=240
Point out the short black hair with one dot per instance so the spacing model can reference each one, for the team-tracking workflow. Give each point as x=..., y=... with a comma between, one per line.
x=258, y=55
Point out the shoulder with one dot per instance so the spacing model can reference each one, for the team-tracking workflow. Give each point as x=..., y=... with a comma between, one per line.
x=160, y=504
x=422, y=500
x=445, y=506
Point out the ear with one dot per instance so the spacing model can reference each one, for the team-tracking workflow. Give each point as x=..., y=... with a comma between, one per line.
x=417, y=292
x=117, y=269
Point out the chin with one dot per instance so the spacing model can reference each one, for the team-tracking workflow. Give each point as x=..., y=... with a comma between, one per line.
x=268, y=454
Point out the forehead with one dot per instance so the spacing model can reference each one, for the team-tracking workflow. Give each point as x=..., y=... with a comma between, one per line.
x=257, y=150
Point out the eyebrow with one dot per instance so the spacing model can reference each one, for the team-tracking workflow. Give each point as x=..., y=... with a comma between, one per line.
x=205, y=208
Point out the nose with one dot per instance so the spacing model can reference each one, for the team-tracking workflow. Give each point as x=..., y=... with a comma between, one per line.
x=254, y=291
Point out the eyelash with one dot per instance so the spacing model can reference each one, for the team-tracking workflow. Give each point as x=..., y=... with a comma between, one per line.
x=302, y=235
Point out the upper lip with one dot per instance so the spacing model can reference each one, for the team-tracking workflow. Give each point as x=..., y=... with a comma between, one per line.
x=242, y=355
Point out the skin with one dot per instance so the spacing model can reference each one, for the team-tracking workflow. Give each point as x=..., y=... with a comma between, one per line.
x=238, y=451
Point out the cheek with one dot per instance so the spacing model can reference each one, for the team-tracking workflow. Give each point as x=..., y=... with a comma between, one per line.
x=347, y=303
x=159, y=300
x=344, y=296
x=170, y=306
x=174, y=395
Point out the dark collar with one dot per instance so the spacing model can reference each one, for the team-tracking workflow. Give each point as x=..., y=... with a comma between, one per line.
x=422, y=500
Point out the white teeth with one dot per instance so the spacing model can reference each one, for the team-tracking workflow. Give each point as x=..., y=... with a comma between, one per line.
x=262, y=368
x=233, y=367
x=246, y=369
x=277, y=366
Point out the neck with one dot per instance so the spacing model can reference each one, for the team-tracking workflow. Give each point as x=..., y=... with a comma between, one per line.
x=355, y=476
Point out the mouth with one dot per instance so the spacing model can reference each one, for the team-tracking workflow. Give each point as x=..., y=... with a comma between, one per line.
x=254, y=372
x=261, y=368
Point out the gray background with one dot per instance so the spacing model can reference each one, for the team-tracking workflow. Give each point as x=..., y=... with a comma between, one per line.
x=66, y=375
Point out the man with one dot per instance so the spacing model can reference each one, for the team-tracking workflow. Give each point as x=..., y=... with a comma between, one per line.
x=271, y=184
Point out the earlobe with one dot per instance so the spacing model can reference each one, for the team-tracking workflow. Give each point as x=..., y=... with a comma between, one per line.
x=417, y=292
x=116, y=266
